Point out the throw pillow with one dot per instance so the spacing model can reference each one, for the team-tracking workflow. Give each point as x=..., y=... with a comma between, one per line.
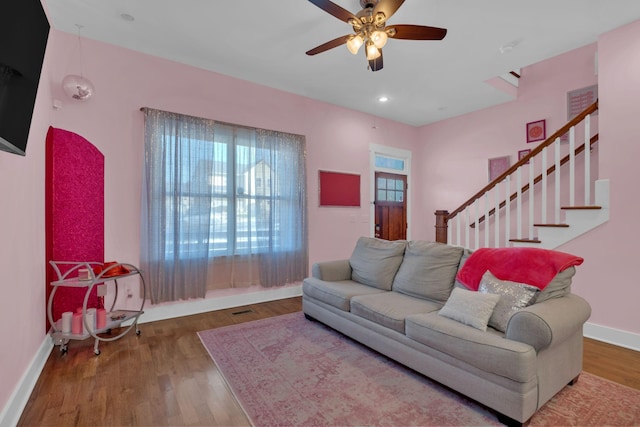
x=375, y=262
x=513, y=297
x=428, y=270
x=470, y=307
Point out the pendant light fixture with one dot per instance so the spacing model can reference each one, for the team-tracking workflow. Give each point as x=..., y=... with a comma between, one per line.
x=77, y=86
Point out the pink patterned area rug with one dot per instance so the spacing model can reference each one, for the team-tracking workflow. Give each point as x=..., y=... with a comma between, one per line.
x=289, y=371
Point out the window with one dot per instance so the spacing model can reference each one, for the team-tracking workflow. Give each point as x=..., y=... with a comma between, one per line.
x=389, y=162
x=215, y=190
x=390, y=190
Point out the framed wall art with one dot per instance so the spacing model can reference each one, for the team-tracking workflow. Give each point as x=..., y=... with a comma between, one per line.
x=338, y=189
x=578, y=100
x=523, y=153
x=498, y=166
x=536, y=131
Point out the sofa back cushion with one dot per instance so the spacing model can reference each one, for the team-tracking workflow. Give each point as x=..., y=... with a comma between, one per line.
x=466, y=253
x=375, y=262
x=559, y=286
x=428, y=270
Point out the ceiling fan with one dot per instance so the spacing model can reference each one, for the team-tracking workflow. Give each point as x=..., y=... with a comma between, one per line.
x=371, y=30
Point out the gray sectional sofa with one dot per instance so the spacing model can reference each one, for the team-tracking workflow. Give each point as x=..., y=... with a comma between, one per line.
x=402, y=299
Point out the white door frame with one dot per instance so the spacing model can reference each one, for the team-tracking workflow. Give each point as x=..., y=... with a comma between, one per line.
x=394, y=153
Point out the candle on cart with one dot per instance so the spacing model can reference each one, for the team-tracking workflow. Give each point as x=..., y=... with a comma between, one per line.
x=101, y=318
x=91, y=319
x=67, y=318
x=76, y=324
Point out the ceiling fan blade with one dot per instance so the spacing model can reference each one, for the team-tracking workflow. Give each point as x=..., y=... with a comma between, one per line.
x=329, y=45
x=417, y=32
x=388, y=7
x=335, y=10
x=376, y=64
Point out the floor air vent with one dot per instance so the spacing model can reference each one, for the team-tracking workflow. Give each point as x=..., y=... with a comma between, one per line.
x=241, y=312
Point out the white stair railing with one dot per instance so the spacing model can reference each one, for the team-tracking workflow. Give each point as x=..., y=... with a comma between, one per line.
x=500, y=220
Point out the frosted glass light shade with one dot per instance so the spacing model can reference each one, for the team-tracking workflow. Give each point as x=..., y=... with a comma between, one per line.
x=77, y=87
x=372, y=52
x=379, y=38
x=354, y=43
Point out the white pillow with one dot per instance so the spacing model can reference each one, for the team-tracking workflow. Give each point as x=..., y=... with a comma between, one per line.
x=470, y=307
x=513, y=297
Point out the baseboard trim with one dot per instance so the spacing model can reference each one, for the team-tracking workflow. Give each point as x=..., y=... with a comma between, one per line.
x=10, y=415
x=170, y=311
x=613, y=336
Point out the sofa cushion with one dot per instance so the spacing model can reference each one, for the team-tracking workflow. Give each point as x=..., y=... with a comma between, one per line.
x=488, y=351
x=513, y=297
x=337, y=294
x=390, y=308
x=466, y=253
x=428, y=270
x=559, y=286
x=375, y=262
x=470, y=308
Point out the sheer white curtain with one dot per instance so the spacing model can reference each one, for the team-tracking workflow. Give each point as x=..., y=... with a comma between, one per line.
x=223, y=206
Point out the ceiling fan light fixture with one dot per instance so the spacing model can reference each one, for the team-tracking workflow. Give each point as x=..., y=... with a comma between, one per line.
x=354, y=43
x=379, y=38
x=372, y=52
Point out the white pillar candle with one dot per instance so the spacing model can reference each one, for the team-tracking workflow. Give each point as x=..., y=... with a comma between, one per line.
x=91, y=319
x=67, y=317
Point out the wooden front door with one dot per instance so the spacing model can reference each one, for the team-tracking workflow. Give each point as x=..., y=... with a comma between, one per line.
x=391, y=206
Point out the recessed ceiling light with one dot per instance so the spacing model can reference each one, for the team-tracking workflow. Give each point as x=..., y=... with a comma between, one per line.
x=508, y=47
x=383, y=99
x=126, y=17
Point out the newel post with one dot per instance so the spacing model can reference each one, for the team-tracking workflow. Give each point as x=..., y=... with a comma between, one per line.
x=441, y=226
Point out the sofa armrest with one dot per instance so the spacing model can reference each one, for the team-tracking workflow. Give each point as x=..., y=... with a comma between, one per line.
x=332, y=271
x=551, y=321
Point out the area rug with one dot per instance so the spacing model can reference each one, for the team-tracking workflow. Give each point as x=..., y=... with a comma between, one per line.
x=289, y=371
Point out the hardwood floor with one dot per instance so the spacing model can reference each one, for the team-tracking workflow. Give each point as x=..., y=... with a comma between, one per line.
x=165, y=376
x=615, y=363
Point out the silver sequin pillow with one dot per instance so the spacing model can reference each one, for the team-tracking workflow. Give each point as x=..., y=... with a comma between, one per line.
x=513, y=297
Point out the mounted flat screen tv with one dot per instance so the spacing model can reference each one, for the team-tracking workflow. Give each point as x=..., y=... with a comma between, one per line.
x=24, y=31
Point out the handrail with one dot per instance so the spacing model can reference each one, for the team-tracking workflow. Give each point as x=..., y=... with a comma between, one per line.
x=525, y=188
x=564, y=129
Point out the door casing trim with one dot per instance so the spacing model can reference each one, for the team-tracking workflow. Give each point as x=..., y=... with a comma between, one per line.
x=396, y=153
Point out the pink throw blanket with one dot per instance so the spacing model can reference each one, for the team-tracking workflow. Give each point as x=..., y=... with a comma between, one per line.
x=533, y=266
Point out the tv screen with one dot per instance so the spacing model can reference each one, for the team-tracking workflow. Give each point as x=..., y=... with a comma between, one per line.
x=24, y=31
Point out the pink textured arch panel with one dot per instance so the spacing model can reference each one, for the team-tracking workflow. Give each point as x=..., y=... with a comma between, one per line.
x=74, y=210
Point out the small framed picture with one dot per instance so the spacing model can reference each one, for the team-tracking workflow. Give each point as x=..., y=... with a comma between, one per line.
x=498, y=166
x=536, y=131
x=523, y=153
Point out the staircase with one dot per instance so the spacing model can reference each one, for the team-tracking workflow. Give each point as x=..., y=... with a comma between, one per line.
x=544, y=200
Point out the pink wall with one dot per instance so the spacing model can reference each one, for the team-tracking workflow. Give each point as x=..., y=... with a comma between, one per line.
x=22, y=238
x=608, y=276
x=455, y=152
x=337, y=139
x=454, y=155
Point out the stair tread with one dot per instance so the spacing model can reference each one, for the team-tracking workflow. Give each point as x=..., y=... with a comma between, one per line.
x=551, y=225
x=581, y=207
x=525, y=240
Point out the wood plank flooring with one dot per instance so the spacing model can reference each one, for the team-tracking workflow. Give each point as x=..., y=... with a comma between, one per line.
x=166, y=377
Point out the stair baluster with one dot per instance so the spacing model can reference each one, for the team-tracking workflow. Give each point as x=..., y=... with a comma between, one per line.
x=488, y=201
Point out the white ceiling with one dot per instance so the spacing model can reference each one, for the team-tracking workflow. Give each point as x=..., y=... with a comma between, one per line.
x=426, y=81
